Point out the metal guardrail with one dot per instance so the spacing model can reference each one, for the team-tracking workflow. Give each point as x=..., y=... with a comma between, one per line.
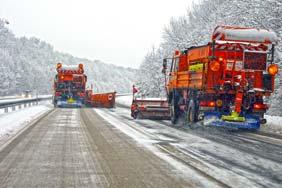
x=21, y=103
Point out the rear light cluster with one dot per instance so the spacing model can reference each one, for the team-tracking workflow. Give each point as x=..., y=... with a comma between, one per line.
x=260, y=106
x=207, y=103
x=217, y=103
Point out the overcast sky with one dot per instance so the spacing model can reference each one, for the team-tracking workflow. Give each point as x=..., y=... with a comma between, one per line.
x=114, y=31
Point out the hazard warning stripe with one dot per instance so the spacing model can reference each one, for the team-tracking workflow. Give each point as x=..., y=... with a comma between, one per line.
x=240, y=47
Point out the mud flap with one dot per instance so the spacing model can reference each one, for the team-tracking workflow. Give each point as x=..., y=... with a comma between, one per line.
x=214, y=119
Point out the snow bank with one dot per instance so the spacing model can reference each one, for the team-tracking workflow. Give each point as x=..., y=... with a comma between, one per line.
x=274, y=124
x=11, y=123
x=9, y=97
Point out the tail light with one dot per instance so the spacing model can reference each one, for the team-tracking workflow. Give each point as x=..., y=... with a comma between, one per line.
x=58, y=94
x=133, y=107
x=211, y=104
x=207, y=103
x=81, y=94
x=260, y=106
x=142, y=107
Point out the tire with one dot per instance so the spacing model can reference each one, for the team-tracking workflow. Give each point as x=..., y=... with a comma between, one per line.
x=192, y=114
x=135, y=115
x=173, y=111
x=55, y=104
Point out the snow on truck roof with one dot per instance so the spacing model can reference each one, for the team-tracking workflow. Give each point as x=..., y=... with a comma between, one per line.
x=77, y=69
x=69, y=67
x=243, y=34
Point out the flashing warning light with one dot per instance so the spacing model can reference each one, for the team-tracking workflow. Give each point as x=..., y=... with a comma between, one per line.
x=272, y=69
x=62, y=77
x=220, y=59
x=215, y=66
x=59, y=65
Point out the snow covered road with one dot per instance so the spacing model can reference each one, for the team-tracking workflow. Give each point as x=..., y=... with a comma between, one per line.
x=235, y=159
x=78, y=148
x=107, y=148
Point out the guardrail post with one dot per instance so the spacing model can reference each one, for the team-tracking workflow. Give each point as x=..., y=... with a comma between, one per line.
x=29, y=104
x=24, y=105
x=13, y=108
x=6, y=110
x=20, y=106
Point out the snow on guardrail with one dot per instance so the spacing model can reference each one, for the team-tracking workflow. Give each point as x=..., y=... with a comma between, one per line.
x=17, y=101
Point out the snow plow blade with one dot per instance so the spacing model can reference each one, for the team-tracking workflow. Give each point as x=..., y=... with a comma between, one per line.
x=156, y=109
x=71, y=103
x=100, y=100
x=250, y=122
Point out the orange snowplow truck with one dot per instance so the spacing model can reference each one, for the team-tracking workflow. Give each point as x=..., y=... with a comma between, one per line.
x=69, y=89
x=69, y=86
x=225, y=81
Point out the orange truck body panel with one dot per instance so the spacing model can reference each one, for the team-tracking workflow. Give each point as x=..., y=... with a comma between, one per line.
x=205, y=79
x=104, y=100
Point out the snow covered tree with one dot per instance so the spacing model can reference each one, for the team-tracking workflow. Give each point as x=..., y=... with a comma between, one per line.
x=29, y=64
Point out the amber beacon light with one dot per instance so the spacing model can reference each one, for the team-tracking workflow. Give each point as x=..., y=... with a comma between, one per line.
x=272, y=69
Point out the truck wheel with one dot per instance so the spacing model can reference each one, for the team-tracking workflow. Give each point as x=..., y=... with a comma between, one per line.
x=192, y=115
x=134, y=115
x=173, y=112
